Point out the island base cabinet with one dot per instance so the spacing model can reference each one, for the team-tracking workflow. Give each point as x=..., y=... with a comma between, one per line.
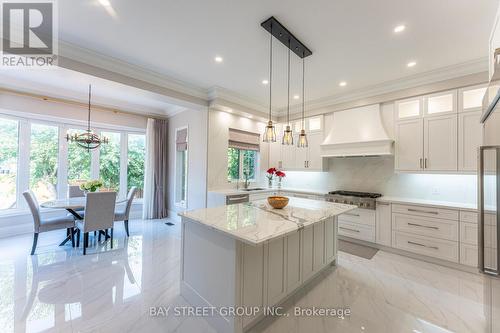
x=219, y=271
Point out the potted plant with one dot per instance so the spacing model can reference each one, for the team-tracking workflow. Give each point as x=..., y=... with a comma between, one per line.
x=270, y=175
x=91, y=185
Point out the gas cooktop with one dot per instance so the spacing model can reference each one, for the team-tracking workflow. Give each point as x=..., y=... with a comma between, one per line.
x=361, y=199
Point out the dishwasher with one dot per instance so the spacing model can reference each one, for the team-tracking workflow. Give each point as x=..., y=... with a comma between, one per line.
x=237, y=198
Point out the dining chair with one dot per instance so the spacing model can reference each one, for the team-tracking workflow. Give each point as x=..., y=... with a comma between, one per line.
x=122, y=213
x=74, y=191
x=99, y=215
x=47, y=224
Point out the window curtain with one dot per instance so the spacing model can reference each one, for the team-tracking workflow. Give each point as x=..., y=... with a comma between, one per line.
x=243, y=140
x=155, y=175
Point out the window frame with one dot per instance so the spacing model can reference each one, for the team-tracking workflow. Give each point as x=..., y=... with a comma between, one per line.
x=64, y=125
x=181, y=204
x=240, y=166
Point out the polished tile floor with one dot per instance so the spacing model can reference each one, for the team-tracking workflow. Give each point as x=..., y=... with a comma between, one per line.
x=112, y=290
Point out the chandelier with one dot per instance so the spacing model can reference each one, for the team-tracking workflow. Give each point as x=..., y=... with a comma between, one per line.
x=88, y=139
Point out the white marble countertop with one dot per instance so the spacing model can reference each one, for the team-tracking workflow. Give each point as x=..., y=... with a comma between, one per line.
x=267, y=190
x=256, y=222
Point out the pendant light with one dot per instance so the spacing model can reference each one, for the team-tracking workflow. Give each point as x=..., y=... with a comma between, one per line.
x=302, y=142
x=288, y=134
x=88, y=139
x=270, y=131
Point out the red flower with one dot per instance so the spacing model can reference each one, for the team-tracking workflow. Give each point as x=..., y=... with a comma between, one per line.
x=271, y=171
x=280, y=174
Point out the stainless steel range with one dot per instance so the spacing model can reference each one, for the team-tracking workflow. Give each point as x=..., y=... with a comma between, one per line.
x=361, y=199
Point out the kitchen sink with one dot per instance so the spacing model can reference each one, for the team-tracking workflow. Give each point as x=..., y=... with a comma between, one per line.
x=253, y=189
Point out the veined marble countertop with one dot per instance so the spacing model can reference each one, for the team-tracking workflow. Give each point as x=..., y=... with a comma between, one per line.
x=256, y=222
x=266, y=190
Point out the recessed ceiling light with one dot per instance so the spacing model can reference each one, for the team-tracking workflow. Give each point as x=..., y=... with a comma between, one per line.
x=105, y=3
x=411, y=64
x=265, y=82
x=218, y=59
x=399, y=28
x=343, y=84
x=296, y=96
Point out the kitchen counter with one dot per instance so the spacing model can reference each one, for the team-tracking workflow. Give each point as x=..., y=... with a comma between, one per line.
x=268, y=190
x=257, y=222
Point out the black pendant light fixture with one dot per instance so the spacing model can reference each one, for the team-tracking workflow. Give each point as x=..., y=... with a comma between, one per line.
x=288, y=134
x=276, y=29
x=302, y=141
x=88, y=139
x=270, y=131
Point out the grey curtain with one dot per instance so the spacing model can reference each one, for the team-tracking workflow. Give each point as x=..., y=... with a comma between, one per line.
x=160, y=168
x=243, y=140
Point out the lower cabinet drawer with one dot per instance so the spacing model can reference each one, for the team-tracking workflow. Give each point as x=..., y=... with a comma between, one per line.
x=468, y=255
x=356, y=230
x=359, y=216
x=426, y=226
x=432, y=247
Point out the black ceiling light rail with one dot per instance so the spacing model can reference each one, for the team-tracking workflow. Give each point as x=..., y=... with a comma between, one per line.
x=278, y=30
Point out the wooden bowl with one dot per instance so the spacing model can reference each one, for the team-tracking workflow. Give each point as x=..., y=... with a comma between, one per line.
x=278, y=202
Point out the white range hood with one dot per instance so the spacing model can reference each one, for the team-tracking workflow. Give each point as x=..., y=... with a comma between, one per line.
x=356, y=132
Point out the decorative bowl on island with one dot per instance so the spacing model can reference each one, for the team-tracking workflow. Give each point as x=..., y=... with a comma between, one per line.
x=278, y=202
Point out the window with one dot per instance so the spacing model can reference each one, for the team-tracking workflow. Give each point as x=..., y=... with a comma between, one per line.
x=109, y=161
x=241, y=164
x=43, y=161
x=242, y=155
x=79, y=161
x=135, y=163
x=9, y=150
x=181, y=166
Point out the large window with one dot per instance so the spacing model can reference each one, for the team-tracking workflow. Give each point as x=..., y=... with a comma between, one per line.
x=32, y=156
x=242, y=164
x=9, y=134
x=109, y=161
x=43, y=161
x=79, y=161
x=135, y=163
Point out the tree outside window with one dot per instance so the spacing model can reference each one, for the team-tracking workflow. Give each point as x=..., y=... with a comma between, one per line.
x=135, y=165
x=241, y=164
x=79, y=161
x=109, y=161
x=9, y=131
x=43, y=161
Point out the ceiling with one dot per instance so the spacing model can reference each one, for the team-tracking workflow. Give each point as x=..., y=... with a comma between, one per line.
x=351, y=40
x=71, y=85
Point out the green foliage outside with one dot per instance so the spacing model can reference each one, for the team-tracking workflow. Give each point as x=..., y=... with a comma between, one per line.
x=233, y=164
x=78, y=161
x=248, y=159
x=8, y=162
x=135, y=165
x=43, y=161
x=109, y=161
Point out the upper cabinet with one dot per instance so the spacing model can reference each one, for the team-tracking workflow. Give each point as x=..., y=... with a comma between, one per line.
x=301, y=159
x=439, y=132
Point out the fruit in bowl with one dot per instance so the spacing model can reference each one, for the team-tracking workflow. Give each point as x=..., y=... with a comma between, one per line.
x=278, y=202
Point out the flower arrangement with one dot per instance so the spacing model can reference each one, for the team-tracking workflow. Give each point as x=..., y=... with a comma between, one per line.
x=272, y=172
x=91, y=185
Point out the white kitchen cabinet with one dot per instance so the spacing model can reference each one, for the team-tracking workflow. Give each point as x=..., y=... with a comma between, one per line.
x=307, y=253
x=470, y=135
x=440, y=103
x=301, y=156
x=288, y=153
x=408, y=109
x=468, y=255
x=276, y=260
x=383, y=224
x=252, y=273
x=314, y=159
x=440, y=143
x=409, y=145
x=471, y=98
x=293, y=266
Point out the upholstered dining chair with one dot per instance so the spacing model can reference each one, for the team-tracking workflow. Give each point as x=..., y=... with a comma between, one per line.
x=122, y=213
x=75, y=192
x=47, y=224
x=99, y=215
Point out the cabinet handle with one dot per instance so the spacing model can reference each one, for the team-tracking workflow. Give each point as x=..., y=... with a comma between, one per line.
x=422, y=211
x=349, y=229
x=423, y=226
x=425, y=163
x=237, y=198
x=421, y=163
x=381, y=203
x=307, y=164
x=422, y=245
x=351, y=214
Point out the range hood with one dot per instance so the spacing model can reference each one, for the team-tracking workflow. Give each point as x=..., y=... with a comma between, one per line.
x=356, y=132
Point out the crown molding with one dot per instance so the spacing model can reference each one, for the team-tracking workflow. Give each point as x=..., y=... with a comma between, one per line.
x=93, y=63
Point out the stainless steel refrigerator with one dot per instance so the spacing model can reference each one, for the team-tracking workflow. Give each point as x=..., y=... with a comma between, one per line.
x=489, y=199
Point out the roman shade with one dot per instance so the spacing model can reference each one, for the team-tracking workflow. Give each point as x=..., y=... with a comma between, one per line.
x=181, y=139
x=243, y=140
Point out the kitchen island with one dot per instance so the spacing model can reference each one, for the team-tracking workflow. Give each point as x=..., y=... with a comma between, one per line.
x=239, y=261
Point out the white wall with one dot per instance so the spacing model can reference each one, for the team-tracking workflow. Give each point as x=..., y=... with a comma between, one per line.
x=196, y=122
x=218, y=134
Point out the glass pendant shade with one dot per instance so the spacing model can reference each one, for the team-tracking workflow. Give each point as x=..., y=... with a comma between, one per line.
x=302, y=142
x=287, y=136
x=269, y=132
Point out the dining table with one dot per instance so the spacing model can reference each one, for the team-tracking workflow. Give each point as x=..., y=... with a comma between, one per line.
x=73, y=206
